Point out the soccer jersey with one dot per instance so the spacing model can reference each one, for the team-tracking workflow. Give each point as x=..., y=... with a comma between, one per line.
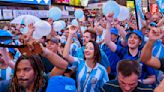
x=124, y=53
x=6, y=74
x=88, y=79
x=158, y=49
x=113, y=59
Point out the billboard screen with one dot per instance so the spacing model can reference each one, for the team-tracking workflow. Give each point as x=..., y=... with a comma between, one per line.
x=42, y=2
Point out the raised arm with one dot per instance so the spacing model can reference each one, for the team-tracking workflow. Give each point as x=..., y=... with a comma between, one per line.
x=66, y=54
x=122, y=33
x=146, y=55
x=121, y=29
x=160, y=87
x=8, y=60
x=54, y=58
x=107, y=39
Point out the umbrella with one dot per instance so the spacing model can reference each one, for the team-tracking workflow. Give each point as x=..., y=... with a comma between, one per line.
x=25, y=19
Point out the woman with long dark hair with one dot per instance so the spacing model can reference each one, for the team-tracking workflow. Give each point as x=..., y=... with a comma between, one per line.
x=90, y=75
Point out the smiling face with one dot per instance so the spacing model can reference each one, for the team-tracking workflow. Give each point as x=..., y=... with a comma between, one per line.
x=89, y=51
x=134, y=41
x=25, y=73
x=128, y=84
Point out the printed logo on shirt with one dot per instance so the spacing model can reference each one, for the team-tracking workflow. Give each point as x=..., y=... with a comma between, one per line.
x=93, y=80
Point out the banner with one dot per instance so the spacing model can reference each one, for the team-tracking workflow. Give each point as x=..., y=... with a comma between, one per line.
x=7, y=14
x=42, y=2
x=38, y=13
x=130, y=4
x=139, y=13
x=154, y=8
x=1, y=15
x=160, y=4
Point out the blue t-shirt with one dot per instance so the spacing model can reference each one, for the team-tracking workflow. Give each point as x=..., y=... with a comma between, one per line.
x=88, y=79
x=124, y=53
x=146, y=71
x=113, y=59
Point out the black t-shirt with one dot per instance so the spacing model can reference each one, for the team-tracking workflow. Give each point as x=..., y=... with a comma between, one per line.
x=48, y=66
x=162, y=64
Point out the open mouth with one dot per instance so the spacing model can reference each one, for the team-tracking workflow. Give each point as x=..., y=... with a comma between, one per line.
x=87, y=53
x=131, y=42
x=22, y=80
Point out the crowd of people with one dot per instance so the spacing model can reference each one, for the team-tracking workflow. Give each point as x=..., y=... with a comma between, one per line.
x=101, y=54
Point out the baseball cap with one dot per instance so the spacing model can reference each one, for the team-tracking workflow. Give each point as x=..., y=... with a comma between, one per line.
x=61, y=84
x=114, y=30
x=54, y=40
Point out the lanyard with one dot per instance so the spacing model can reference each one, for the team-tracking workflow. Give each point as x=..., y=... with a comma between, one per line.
x=85, y=83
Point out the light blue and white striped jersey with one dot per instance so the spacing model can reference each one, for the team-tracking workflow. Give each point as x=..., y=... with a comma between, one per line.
x=73, y=49
x=89, y=80
x=158, y=49
x=6, y=74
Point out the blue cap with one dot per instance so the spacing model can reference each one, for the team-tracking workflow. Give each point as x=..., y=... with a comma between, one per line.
x=61, y=84
x=139, y=34
x=114, y=30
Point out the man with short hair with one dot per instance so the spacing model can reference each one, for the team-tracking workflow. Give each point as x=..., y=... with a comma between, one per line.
x=128, y=72
x=132, y=51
